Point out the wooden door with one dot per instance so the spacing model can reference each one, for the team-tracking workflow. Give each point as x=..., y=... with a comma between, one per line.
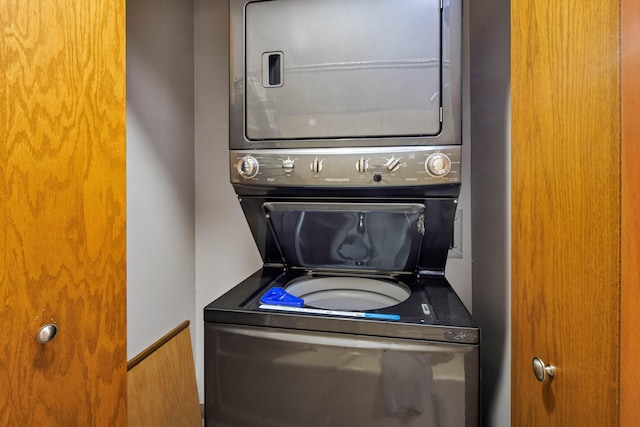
x=62, y=212
x=565, y=211
x=630, y=218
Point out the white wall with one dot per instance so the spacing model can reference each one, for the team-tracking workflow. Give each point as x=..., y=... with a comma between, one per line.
x=490, y=198
x=225, y=251
x=160, y=168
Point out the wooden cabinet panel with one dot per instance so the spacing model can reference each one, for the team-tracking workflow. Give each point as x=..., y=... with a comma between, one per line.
x=565, y=211
x=162, y=390
x=63, y=214
x=630, y=219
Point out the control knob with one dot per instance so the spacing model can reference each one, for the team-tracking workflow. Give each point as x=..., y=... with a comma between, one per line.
x=393, y=164
x=247, y=167
x=438, y=164
x=287, y=165
x=362, y=165
x=316, y=166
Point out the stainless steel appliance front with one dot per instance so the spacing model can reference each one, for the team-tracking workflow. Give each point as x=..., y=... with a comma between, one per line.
x=345, y=154
x=347, y=167
x=277, y=378
x=335, y=73
x=406, y=353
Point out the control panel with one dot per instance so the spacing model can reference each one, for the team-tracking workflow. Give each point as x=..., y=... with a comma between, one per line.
x=396, y=166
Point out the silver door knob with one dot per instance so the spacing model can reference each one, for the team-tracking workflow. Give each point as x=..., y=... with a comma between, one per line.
x=542, y=371
x=47, y=333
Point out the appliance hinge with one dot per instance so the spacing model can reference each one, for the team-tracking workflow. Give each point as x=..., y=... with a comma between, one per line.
x=441, y=114
x=420, y=225
x=275, y=265
x=436, y=273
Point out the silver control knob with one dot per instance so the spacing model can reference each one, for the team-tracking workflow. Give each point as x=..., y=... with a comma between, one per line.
x=362, y=165
x=393, y=164
x=287, y=165
x=438, y=164
x=247, y=167
x=316, y=166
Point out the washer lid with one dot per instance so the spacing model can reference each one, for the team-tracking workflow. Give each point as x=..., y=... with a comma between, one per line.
x=348, y=236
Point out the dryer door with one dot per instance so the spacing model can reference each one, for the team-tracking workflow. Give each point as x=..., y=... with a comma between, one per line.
x=338, y=69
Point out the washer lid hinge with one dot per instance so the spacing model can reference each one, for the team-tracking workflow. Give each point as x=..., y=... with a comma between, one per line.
x=275, y=265
x=420, y=225
x=431, y=273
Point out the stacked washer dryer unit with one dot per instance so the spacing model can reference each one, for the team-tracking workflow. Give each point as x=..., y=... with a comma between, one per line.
x=345, y=140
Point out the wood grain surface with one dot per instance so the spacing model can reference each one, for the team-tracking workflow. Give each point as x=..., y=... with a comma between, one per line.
x=63, y=213
x=162, y=390
x=565, y=211
x=630, y=262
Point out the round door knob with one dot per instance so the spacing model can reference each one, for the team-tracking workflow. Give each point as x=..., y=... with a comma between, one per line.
x=47, y=333
x=542, y=371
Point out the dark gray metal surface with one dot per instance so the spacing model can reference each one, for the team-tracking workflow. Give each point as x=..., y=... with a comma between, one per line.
x=347, y=113
x=432, y=312
x=351, y=73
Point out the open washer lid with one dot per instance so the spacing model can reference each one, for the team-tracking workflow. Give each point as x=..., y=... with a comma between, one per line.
x=369, y=237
